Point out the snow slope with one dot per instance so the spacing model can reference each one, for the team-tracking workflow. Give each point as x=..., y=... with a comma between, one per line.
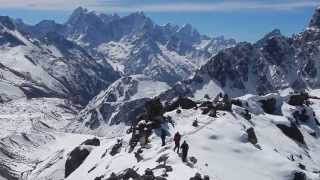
x=47, y=67
x=220, y=146
x=29, y=129
x=113, y=109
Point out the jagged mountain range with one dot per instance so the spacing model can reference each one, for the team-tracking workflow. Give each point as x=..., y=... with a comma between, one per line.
x=274, y=63
x=83, y=56
x=48, y=68
x=134, y=44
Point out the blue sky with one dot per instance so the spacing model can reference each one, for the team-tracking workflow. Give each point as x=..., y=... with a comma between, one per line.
x=244, y=20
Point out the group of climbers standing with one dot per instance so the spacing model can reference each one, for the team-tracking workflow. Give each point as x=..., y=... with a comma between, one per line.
x=177, y=138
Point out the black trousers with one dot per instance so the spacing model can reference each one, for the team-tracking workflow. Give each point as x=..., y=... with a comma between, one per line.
x=184, y=156
x=163, y=141
x=177, y=146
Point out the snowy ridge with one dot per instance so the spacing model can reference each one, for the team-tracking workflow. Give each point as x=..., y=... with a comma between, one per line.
x=48, y=67
x=134, y=44
x=113, y=109
x=28, y=127
x=273, y=64
x=218, y=144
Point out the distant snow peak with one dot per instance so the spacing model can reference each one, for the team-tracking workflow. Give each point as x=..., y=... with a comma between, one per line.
x=315, y=20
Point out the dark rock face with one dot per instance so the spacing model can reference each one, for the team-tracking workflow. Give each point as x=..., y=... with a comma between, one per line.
x=301, y=116
x=252, y=138
x=94, y=122
x=8, y=38
x=84, y=77
x=197, y=176
x=92, y=142
x=7, y=22
x=154, y=108
x=269, y=105
x=75, y=159
x=116, y=148
x=184, y=103
x=132, y=174
x=292, y=132
x=299, y=176
x=237, y=102
x=298, y=99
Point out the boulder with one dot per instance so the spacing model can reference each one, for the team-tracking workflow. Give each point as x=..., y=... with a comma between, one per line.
x=184, y=103
x=206, y=104
x=246, y=115
x=297, y=175
x=126, y=174
x=195, y=123
x=237, y=102
x=252, y=138
x=303, y=117
x=269, y=105
x=130, y=173
x=75, y=159
x=116, y=148
x=292, y=132
x=197, y=176
x=206, y=177
x=154, y=108
x=213, y=113
x=92, y=142
x=298, y=99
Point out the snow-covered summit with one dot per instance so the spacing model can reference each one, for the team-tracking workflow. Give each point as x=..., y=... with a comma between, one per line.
x=146, y=44
x=116, y=107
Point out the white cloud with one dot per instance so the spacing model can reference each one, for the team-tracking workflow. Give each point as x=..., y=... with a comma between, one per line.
x=123, y=6
x=51, y=4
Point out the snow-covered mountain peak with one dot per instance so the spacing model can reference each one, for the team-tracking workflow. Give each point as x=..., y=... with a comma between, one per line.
x=135, y=87
x=190, y=33
x=315, y=20
x=7, y=22
x=276, y=34
x=118, y=105
x=77, y=13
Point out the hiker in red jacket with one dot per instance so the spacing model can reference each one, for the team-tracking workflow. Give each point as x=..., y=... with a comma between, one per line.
x=177, y=138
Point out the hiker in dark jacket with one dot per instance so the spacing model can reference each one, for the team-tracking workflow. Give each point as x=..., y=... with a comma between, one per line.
x=177, y=138
x=185, y=148
x=163, y=136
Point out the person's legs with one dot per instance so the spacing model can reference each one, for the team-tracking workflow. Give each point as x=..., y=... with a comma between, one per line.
x=163, y=141
x=184, y=156
x=178, y=146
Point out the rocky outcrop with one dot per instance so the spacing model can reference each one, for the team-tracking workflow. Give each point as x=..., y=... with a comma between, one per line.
x=75, y=159
x=92, y=142
x=297, y=175
x=292, y=132
x=78, y=155
x=132, y=174
x=252, y=138
x=182, y=102
x=198, y=176
x=269, y=105
x=298, y=99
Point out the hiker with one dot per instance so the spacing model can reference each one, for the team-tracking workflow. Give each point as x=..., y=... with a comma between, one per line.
x=195, y=123
x=185, y=148
x=163, y=137
x=177, y=138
